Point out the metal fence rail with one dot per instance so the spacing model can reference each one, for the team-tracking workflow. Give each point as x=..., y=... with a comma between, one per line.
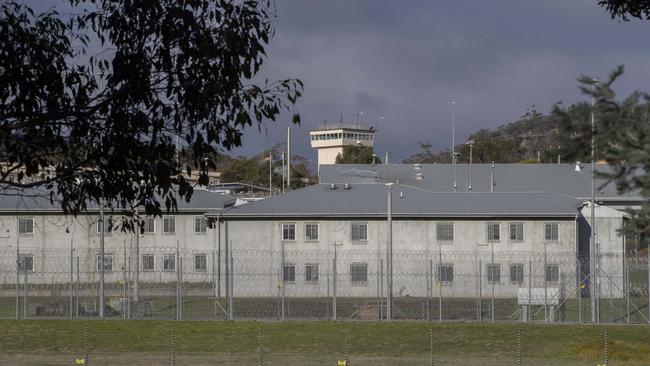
x=175, y=283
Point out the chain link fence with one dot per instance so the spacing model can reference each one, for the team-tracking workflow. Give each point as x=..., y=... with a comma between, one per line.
x=174, y=283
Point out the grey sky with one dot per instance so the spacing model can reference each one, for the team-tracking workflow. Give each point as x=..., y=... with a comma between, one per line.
x=407, y=60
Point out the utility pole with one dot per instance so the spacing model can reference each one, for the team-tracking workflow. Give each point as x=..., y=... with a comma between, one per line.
x=453, y=141
x=470, y=143
x=592, y=249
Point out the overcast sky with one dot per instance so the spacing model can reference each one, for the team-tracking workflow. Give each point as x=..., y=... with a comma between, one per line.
x=407, y=60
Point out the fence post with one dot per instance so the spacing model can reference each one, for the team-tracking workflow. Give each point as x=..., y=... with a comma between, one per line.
x=432, y=358
x=231, y=308
x=77, y=302
x=648, y=285
x=519, y=347
x=479, y=305
x=85, y=345
x=71, y=275
x=580, y=284
x=173, y=353
x=25, y=292
x=259, y=346
x=530, y=290
x=439, y=282
x=381, y=289
x=606, y=349
x=178, y=280
x=334, y=283
x=627, y=288
x=17, y=276
x=429, y=290
x=126, y=295
x=346, y=348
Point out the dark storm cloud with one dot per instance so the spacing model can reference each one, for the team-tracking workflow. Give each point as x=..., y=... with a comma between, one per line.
x=407, y=60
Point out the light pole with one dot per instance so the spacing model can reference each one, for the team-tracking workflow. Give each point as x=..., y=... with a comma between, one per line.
x=470, y=143
x=389, y=252
x=592, y=248
x=453, y=141
x=334, y=280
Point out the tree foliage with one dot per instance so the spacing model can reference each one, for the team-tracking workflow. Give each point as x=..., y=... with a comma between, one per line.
x=624, y=9
x=93, y=105
x=357, y=155
x=622, y=138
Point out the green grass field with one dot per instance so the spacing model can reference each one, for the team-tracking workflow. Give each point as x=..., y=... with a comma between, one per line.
x=148, y=342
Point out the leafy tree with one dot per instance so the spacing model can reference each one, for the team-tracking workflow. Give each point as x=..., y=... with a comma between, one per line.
x=93, y=105
x=357, y=155
x=623, y=9
x=622, y=138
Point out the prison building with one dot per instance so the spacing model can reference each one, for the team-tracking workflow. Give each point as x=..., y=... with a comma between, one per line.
x=459, y=243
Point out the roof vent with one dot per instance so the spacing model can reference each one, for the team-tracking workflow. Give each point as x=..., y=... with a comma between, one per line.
x=419, y=176
x=332, y=186
x=346, y=186
x=401, y=195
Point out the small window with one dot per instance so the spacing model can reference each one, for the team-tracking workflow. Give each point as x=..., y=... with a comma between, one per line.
x=445, y=273
x=493, y=272
x=289, y=273
x=169, y=262
x=445, y=232
x=517, y=232
x=108, y=262
x=359, y=231
x=552, y=273
x=200, y=225
x=169, y=225
x=200, y=263
x=493, y=231
x=311, y=273
x=288, y=232
x=148, y=262
x=358, y=273
x=149, y=225
x=26, y=226
x=551, y=231
x=26, y=262
x=311, y=232
x=516, y=273
x=108, y=226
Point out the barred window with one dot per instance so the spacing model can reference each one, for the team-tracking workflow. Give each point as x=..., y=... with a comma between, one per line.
x=359, y=231
x=311, y=273
x=494, y=272
x=108, y=226
x=26, y=262
x=445, y=273
x=551, y=231
x=149, y=225
x=148, y=262
x=517, y=231
x=289, y=273
x=311, y=232
x=200, y=225
x=169, y=225
x=516, y=273
x=108, y=262
x=445, y=231
x=169, y=262
x=552, y=273
x=288, y=232
x=493, y=231
x=358, y=273
x=200, y=263
x=25, y=226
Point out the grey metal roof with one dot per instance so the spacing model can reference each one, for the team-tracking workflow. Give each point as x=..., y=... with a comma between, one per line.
x=370, y=200
x=37, y=199
x=557, y=178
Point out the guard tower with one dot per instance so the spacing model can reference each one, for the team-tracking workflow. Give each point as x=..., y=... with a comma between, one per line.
x=330, y=138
